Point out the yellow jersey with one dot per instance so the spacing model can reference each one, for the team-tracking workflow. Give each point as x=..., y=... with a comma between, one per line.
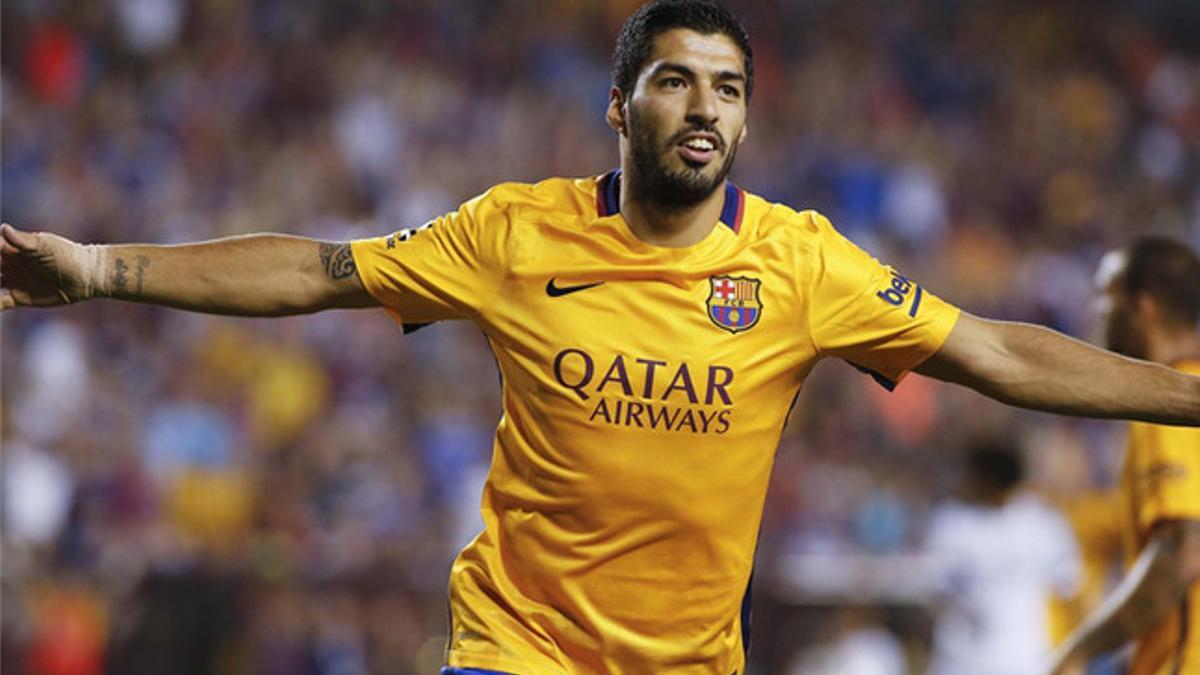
x=1095, y=519
x=1161, y=481
x=644, y=390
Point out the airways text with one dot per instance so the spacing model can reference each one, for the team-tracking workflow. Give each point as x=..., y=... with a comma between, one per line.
x=649, y=393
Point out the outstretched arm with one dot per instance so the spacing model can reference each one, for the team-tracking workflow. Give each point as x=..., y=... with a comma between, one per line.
x=1156, y=584
x=251, y=275
x=1035, y=367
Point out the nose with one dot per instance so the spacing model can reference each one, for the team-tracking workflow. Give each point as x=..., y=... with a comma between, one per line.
x=702, y=106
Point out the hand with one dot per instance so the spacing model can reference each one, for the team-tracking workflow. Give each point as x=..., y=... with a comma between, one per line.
x=38, y=269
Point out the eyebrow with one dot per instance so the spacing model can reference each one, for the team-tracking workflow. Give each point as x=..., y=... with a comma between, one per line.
x=721, y=76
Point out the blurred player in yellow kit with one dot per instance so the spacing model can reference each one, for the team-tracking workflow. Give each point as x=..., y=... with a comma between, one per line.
x=652, y=327
x=1094, y=515
x=1152, y=301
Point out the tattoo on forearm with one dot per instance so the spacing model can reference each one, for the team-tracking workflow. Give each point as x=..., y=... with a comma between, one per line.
x=142, y=263
x=338, y=260
x=119, y=279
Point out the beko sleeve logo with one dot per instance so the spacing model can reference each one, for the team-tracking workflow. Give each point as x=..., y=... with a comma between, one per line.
x=899, y=291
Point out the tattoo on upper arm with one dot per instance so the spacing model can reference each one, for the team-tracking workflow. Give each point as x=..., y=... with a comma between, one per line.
x=338, y=260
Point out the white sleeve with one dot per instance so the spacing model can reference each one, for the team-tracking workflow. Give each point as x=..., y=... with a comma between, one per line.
x=1063, y=566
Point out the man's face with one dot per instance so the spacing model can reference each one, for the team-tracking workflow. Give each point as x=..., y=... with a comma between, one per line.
x=686, y=117
x=1123, y=327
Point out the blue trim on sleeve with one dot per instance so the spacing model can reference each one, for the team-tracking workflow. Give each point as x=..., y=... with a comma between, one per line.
x=883, y=381
x=470, y=671
x=912, y=312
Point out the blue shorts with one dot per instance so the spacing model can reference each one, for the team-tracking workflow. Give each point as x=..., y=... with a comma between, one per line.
x=469, y=671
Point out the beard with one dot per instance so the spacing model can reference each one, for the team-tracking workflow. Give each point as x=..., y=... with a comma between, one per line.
x=666, y=189
x=1122, y=336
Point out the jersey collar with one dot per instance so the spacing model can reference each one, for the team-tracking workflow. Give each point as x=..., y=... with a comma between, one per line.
x=608, y=200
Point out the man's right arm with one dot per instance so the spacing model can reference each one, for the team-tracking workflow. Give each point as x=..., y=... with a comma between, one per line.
x=1040, y=369
x=250, y=275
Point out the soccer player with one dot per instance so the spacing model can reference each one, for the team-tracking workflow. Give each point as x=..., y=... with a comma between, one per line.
x=652, y=326
x=994, y=618
x=1151, y=294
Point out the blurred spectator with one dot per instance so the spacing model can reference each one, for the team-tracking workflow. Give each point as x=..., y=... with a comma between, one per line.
x=1000, y=556
x=858, y=645
x=57, y=378
x=149, y=26
x=68, y=627
x=38, y=488
x=1062, y=471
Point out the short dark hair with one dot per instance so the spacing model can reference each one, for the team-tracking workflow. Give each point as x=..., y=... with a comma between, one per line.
x=653, y=18
x=1168, y=271
x=995, y=464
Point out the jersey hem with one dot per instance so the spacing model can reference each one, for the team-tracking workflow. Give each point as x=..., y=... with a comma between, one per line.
x=468, y=660
x=942, y=326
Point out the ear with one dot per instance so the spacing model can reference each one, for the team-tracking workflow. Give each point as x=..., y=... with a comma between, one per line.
x=615, y=115
x=745, y=132
x=1146, y=308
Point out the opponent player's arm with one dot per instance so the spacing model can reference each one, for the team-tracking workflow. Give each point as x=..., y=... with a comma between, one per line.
x=251, y=275
x=1156, y=584
x=1035, y=367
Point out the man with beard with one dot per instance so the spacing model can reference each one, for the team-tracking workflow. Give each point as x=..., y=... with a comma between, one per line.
x=1151, y=298
x=652, y=326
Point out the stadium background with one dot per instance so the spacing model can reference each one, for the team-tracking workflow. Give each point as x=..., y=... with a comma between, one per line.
x=186, y=494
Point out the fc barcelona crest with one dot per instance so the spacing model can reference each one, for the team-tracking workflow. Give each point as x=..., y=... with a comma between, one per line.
x=733, y=302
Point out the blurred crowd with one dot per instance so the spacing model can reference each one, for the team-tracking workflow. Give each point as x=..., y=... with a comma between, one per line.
x=189, y=494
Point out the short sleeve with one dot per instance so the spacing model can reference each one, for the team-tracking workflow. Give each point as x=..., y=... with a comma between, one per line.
x=449, y=268
x=1164, y=473
x=868, y=313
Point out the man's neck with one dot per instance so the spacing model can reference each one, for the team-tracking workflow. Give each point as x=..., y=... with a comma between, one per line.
x=1172, y=345
x=671, y=227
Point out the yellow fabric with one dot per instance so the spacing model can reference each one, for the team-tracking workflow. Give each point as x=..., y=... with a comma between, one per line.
x=288, y=391
x=1161, y=481
x=286, y=383
x=1095, y=518
x=213, y=508
x=631, y=462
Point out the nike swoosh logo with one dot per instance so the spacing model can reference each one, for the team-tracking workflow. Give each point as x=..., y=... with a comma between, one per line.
x=559, y=291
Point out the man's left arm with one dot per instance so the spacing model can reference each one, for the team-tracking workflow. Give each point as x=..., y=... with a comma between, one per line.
x=1034, y=367
x=1156, y=584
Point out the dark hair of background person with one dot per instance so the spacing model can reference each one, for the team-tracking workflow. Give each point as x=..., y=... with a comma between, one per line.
x=1168, y=271
x=993, y=467
x=640, y=29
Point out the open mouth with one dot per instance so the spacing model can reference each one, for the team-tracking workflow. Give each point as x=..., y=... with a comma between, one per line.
x=698, y=148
